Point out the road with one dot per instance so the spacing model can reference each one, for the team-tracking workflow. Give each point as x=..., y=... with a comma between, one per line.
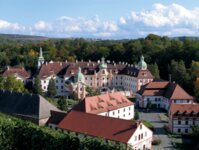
x=159, y=132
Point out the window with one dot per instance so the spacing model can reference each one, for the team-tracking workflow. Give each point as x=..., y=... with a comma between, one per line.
x=140, y=127
x=129, y=108
x=135, y=138
x=186, y=122
x=145, y=133
x=113, y=113
x=56, y=81
x=56, y=87
x=124, y=109
x=186, y=130
x=124, y=115
x=142, y=136
x=62, y=81
x=187, y=101
x=85, y=78
x=179, y=130
x=118, y=111
x=148, y=99
x=179, y=121
x=139, y=137
x=44, y=81
x=62, y=87
x=91, y=78
x=44, y=87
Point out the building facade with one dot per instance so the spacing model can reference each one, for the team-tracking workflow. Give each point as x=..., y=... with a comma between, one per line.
x=162, y=94
x=183, y=117
x=98, y=75
x=113, y=105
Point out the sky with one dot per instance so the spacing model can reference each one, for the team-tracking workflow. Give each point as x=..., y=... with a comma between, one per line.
x=100, y=19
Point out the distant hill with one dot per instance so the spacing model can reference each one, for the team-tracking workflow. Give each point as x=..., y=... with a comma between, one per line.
x=16, y=38
x=183, y=38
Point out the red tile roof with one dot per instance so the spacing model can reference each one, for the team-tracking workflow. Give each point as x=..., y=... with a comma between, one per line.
x=99, y=126
x=16, y=71
x=103, y=103
x=164, y=88
x=181, y=108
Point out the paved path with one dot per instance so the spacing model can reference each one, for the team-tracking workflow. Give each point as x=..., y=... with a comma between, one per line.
x=159, y=131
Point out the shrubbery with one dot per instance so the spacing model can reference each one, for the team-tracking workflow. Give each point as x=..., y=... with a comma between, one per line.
x=156, y=142
x=17, y=134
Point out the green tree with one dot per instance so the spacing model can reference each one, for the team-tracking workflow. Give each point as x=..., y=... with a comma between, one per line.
x=51, y=88
x=12, y=84
x=195, y=137
x=37, y=86
x=91, y=92
x=62, y=103
x=154, y=70
x=136, y=116
x=178, y=71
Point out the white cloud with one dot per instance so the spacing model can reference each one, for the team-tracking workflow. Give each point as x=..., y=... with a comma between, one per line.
x=171, y=20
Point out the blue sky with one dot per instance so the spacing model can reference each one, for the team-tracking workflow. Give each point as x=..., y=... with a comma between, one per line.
x=109, y=19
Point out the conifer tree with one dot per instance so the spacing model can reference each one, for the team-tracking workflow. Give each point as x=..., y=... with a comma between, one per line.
x=51, y=88
x=37, y=86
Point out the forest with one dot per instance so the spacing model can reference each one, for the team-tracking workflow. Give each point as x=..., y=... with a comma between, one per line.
x=174, y=57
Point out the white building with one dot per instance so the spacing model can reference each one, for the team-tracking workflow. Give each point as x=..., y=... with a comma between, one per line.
x=162, y=94
x=98, y=75
x=183, y=117
x=131, y=134
x=111, y=104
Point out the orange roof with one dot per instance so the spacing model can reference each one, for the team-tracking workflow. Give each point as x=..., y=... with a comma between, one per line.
x=179, y=93
x=103, y=103
x=164, y=88
x=99, y=126
x=16, y=70
x=157, y=85
x=188, y=108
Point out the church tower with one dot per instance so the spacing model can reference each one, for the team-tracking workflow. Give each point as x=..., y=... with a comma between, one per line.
x=40, y=59
x=142, y=65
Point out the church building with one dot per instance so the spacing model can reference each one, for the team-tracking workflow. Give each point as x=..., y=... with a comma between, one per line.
x=103, y=75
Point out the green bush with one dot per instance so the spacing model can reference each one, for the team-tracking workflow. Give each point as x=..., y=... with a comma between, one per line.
x=18, y=134
x=136, y=116
x=156, y=142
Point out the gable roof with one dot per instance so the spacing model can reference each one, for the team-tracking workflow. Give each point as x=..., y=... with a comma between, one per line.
x=56, y=117
x=167, y=89
x=103, y=103
x=20, y=71
x=99, y=126
x=26, y=105
x=181, y=108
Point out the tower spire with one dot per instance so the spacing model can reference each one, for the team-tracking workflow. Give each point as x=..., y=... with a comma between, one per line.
x=40, y=59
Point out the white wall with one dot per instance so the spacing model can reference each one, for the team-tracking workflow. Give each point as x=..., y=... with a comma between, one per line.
x=122, y=113
x=146, y=140
x=183, y=126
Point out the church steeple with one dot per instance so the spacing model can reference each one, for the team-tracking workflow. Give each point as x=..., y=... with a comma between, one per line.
x=103, y=64
x=40, y=59
x=142, y=65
